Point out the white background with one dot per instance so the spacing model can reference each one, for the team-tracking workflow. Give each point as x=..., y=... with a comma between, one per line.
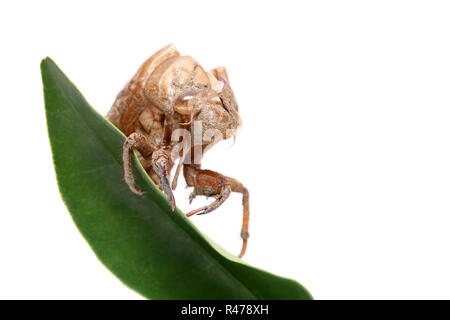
x=344, y=147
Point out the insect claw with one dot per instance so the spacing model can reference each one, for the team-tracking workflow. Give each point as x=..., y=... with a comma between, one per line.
x=136, y=190
x=172, y=201
x=161, y=165
x=168, y=190
x=244, y=248
x=192, y=196
x=197, y=211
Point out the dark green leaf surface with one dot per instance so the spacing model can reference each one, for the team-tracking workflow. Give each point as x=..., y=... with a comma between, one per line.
x=151, y=249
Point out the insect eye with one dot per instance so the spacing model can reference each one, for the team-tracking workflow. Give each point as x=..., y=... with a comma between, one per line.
x=182, y=104
x=186, y=97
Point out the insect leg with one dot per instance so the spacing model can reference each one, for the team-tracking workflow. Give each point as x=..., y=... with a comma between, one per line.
x=223, y=195
x=210, y=183
x=162, y=163
x=238, y=187
x=140, y=143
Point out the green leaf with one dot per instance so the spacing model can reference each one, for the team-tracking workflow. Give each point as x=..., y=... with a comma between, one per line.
x=151, y=249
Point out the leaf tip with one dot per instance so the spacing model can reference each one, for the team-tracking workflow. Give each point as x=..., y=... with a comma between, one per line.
x=46, y=62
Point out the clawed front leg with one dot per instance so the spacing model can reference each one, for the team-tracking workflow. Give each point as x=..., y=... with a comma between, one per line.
x=210, y=183
x=162, y=163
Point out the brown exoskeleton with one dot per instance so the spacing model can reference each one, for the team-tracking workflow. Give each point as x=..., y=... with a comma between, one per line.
x=170, y=93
